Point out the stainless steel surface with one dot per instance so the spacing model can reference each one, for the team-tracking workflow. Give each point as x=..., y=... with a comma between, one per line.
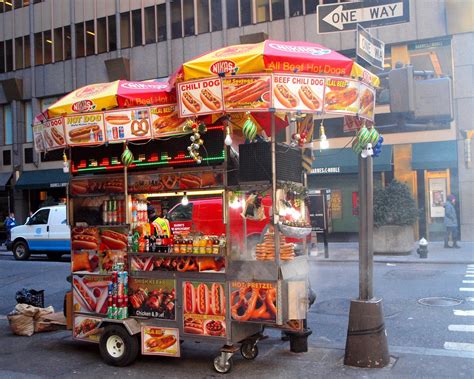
x=297, y=268
x=241, y=331
x=252, y=271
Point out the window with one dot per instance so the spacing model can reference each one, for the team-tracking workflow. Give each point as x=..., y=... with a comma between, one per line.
x=58, y=44
x=40, y=217
x=176, y=27
x=8, y=6
x=161, y=22
x=112, y=33
x=203, y=16
x=263, y=10
x=181, y=213
x=216, y=15
x=7, y=157
x=150, y=29
x=7, y=125
x=1, y=7
x=311, y=5
x=296, y=8
x=80, y=52
x=232, y=13
x=101, y=35
x=90, y=37
x=38, y=48
x=188, y=17
x=17, y=3
x=245, y=12
x=28, y=154
x=27, y=47
x=2, y=56
x=19, y=61
x=278, y=9
x=28, y=122
x=125, y=30
x=67, y=42
x=47, y=47
x=51, y=156
x=9, y=54
x=137, y=27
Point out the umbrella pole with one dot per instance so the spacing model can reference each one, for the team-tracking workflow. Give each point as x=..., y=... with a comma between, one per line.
x=274, y=190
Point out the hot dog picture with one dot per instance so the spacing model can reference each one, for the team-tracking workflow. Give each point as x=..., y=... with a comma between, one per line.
x=160, y=341
x=117, y=119
x=82, y=133
x=190, y=102
x=217, y=299
x=210, y=100
x=189, y=301
x=57, y=136
x=203, y=299
x=113, y=240
x=47, y=137
x=341, y=99
x=285, y=96
x=167, y=123
x=253, y=302
x=309, y=98
x=90, y=293
x=240, y=95
x=367, y=102
x=189, y=181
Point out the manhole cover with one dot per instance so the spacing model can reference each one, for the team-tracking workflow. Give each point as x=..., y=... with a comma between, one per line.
x=439, y=301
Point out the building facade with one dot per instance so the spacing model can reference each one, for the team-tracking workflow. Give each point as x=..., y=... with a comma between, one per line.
x=50, y=47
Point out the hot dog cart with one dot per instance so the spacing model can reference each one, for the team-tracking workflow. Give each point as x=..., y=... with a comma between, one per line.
x=177, y=237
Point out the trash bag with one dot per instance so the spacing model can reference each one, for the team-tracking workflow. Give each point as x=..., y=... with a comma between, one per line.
x=30, y=297
x=27, y=319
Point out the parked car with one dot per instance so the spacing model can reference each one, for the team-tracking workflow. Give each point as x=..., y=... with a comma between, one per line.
x=45, y=232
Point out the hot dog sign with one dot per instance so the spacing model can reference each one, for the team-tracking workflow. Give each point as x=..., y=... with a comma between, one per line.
x=53, y=133
x=127, y=124
x=298, y=92
x=200, y=97
x=85, y=129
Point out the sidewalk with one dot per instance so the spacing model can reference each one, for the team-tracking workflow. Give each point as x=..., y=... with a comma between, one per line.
x=349, y=252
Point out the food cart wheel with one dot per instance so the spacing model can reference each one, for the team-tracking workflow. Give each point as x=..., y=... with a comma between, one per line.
x=249, y=350
x=223, y=363
x=117, y=346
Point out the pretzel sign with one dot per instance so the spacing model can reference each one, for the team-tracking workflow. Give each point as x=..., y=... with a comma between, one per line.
x=140, y=128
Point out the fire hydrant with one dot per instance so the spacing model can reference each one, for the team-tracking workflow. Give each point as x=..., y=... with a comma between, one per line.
x=423, y=248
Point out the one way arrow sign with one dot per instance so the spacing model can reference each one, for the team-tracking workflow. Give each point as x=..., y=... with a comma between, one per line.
x=369, y=14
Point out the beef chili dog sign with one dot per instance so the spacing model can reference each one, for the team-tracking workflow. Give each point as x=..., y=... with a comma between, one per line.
x=298, y=92
x=200, y=97
x=87, y=129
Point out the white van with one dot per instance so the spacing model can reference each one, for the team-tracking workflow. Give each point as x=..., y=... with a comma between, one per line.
x=45, y=232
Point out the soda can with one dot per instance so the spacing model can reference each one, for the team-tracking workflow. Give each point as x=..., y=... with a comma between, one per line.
x=110, y=300
x=125, y=278
x=121, y=132
x=120, y=290
x=114, y=312
x=110, y=288
x=110, y=312
x=114, y=300
x=114, y=276
x=114, y=132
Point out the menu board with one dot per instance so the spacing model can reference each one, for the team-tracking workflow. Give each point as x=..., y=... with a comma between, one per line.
x=298, y=92
x=366, y=101
x=160, y=341
x=87, y=129
x=90, y=293
x=87, y=328
x=341, y=96
x=253, y=301
x=200, y=97
x=38, y=138
x=96, y=186
x=152, y=298
x=53, y=133
x=165, y=121
x=247, y=92
x=127, y=124
x=204, y=308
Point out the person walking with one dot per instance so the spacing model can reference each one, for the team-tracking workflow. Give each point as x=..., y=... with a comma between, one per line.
x=10, y=222
x=451, y=222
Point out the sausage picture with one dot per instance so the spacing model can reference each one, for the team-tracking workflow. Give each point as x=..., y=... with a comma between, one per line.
x=82, y=134
x=367, y=102
x=248, y=92
x=217, y=299
x=189, y=301
x=341, y=99
x=114, y=240
x=203, y=302
x=309, y=98
x=57, y=136
x=210, y=100
x=84, y=242
x=47, y=138
x=285, y=96
x=191, y=102
x=118, y=119
x=160, y=343
x=193, y=326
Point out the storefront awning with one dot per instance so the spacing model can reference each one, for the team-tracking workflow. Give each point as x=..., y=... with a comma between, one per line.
x=345, y=161
x=434, y=155
x=4, y=179
x=42, y=179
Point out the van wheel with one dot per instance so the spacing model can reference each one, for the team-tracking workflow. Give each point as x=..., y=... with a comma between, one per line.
x=117, y=346
x=54, y=256
x=21, y=251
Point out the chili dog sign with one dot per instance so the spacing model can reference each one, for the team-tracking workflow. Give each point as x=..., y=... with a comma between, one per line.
x=53, y=134
x=298, y=92
x=87, y=129
x=130, y=124
x=200, y=97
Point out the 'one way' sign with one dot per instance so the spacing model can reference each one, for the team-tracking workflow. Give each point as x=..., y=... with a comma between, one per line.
x=370, y=13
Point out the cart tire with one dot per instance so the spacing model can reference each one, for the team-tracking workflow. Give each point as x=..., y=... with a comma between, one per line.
x=117, y=346
x=222, y=369
x=20, y=251
x=249, y=350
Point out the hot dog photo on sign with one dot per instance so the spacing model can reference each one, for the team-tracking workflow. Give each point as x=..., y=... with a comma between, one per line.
x=165, y=120
x=127, y=124
x=200, y=96
x=204, y=308
x=366, y=102
x=53, y=134
x=298, y=92
x=341, y=96
x=84, y=129
x=160, y=341
x=90, y=293
x=247, y=92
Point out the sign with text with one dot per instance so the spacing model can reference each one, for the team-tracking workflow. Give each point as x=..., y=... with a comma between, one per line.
x=341, y=96
x=369, y=48
x=127, y=124
x=298, y=92
x=200, y=97
x=53, y=133
x=369, y=13
x=247, y=92
x=165, y=121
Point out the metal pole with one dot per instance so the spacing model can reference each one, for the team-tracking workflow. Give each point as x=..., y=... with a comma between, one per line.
x=274, y=190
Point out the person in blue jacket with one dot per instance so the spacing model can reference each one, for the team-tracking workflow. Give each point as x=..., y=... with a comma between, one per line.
x=10, y=223
x=451, y=222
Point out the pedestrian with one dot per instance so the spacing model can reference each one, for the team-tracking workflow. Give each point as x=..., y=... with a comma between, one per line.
x=10, y=223
x=451, y=222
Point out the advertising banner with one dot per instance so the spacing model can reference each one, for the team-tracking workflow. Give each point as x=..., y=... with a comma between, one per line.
x=38, y=138
x=341, y=96
x=160, y=341
x=127, y=124
x=165, y=121
x=204, y=308
x=253, y=301
x=152, y=298
x=87, y=328
x=298, y=92
x=200, y=97
x=247, y=93
x=90, y=293
x=53, y=134
x=366, y=102
x=85, y=129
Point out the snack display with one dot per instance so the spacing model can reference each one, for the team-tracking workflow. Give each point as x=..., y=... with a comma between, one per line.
x=266, y=251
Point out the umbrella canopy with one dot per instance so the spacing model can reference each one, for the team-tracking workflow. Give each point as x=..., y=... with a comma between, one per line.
x=120, y=93
x=272, y=56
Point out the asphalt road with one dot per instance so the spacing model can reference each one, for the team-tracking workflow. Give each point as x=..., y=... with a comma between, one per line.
x=423, y=341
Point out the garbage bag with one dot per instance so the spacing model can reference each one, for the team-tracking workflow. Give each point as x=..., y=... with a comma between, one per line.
x=30, y=297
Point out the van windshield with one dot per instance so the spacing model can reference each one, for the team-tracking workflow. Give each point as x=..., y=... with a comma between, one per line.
x=181, y=213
